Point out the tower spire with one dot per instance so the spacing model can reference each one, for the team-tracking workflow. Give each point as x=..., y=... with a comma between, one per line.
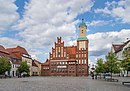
x=82, y=19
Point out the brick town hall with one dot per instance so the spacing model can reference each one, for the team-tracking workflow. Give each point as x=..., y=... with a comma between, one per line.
x=68, y=60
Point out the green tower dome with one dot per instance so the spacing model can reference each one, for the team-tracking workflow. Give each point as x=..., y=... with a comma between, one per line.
x=82, y=24
x=82, y=32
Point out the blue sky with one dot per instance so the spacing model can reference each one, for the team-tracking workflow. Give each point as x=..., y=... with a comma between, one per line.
x=35, y=24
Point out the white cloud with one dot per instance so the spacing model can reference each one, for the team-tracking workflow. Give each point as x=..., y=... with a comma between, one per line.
x=8, y=42
x=45, y=20
x=98, y=23
x=100, y=43
x=8, y=14
x=119, y=10
x=53, y=12
x=12, y=43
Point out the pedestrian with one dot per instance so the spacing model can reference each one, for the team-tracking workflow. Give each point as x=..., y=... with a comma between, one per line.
x=92, y=74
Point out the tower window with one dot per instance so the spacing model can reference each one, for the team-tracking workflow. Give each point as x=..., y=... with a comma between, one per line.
x=82, y=31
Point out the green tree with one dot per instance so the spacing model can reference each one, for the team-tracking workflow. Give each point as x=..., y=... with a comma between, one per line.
x=112, y=64
x=125, y=63
x=100, y=67
x=23, y=67
x=4, y=65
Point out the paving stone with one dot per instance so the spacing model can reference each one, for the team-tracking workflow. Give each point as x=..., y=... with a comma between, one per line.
x=61, y=84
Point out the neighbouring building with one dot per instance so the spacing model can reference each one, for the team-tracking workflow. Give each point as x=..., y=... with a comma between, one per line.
x=23, y=55
x=119, y=48
x=68, y=60
x=36, y=68
x=13, y=59
x=17, y=55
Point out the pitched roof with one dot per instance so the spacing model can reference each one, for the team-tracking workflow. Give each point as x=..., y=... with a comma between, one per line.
x=22, y=50
x=13, y=55
x=7, y=53
x=71, y=50
x=37, y=61
x=18, y=49
x=119, y=47
x=116, y=47
x=1, y=47
x=46, y=63
x=34, y=64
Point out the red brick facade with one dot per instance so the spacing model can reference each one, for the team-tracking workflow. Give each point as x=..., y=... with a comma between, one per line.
x=66, y=60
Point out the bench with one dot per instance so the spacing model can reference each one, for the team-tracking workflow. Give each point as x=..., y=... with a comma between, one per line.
x=125, y=82
x=2, y=76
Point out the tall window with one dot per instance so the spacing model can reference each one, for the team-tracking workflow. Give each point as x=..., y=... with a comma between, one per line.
x=64, y=54
x=82, y=61
x=79, y=61
x=85, y=61
x=61, y=51
x=56, y=52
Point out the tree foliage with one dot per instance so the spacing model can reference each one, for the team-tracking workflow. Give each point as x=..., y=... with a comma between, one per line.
x=4, y=65
x=23, y=67
x=100, y=67
x=125, y=63
x=112, y=64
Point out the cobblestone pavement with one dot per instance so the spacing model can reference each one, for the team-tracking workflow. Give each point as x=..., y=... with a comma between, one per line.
x=61, y=84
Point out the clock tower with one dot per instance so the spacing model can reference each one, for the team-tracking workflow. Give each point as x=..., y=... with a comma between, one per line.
x=82, y=50
x=82, y=41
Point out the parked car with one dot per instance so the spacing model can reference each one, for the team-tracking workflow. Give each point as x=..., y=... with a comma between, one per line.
x=25, y=75
x=107, y=74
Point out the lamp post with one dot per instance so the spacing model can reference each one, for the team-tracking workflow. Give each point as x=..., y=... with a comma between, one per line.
x=89, y=69
x=93, y=71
